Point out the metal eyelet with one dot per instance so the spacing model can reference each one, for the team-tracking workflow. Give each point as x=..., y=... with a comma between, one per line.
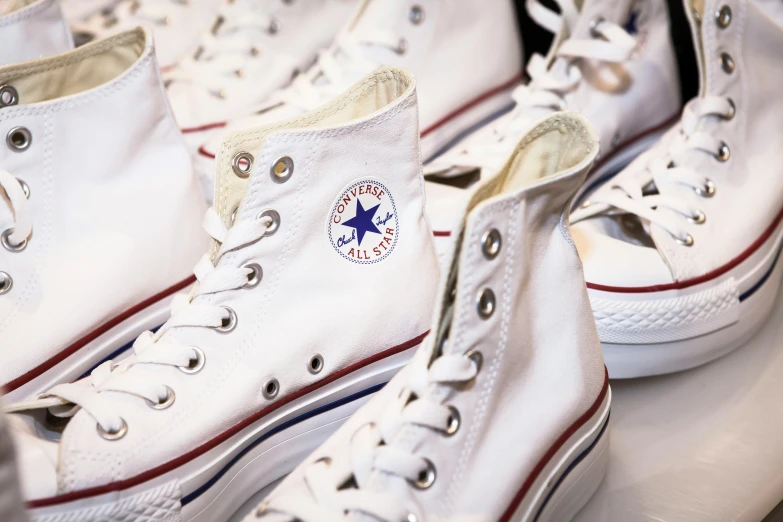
x=476, y=357
x=732, y=110
x=8, y=96
x=491, y=242
x=242, y=164
x=416, y=15
x=19, y=139
x=113, y=434
x=426, y=476
x=274, y=27
x=271, y=388
x=411, y=518
x=255, y=275
x=196, y=364
x=167, y=401
x=454, y=422
x=6, y=283
x=594, y=26
x=708, y=190
x=727, y=63
x=485, y=304
x=282, y=169
x=261, y=509
x=723, y=17
x=685, y=241
x=229, y=323
x=699, y=218
x=25, y=187
x=275, y=217
x=6, y=242
x=402, y=46
x=315, y=364
x=724, y=153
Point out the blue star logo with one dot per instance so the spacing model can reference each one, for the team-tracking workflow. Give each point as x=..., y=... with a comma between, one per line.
x=362, y=221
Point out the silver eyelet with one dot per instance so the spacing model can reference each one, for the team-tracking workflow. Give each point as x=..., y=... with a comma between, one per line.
x=723, y=17
x=25, y=187
x=594, y=26
x=196, y=364
x=282, y=170
x=426, y=476
x=242, y=164
x=19, y=139
x=684, y=241
x=485, y=304
x=167, y=401
x=229, y=323
x=491, y=242
x=275, y=217
x=454, y=422
x=411, y=518
x=270, y=389
x=255, y=275
x=724, y=153
x=476, y=357
x=732, y=110
x=113, y=434
x=315, y=364
x=727, y=63
x=708, y=190
x=402, y=46
x=274, y=27
x=416, y=15
x=8, y=96
x=6, y=283
x=699, y=218
x=7, y=242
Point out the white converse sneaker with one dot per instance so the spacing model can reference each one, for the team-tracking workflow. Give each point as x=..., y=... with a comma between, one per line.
x=322, y=285
x=82, y=10
x=100, y=219
x=612, y=61
x=255, y=48
x=704, y=274
x=503, y=412
x=444, y=44
x=31, y=29
x=177, y=24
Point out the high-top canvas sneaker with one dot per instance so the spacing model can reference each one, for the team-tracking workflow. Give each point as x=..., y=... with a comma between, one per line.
x=320, y=283
x=613, y=61
x=99, y=210
x=178, y=25
x=680, y=269
x=444, y=44
x=31, y=29
x=255, y=48
x=81, y=10
x=502, y=414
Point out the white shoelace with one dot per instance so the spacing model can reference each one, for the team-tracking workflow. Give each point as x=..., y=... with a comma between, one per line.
x=373, y=449
x=546, y=92
x=668, y=172
x=134, y=12
x=154, y=349
x=224, y=52
x=23, y=220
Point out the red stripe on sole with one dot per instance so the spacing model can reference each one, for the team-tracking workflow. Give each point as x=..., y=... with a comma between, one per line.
x=216, y=441
x=202, y=128
x=541, y=464
x=204, y=152
x=90, y=337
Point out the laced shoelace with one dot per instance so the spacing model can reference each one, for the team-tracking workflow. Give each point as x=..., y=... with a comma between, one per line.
x=549, y=83
x=16, y=236
x=373, y=448
x=668, y=183
x=133, y=12
x=224, y=52
x=156, y=349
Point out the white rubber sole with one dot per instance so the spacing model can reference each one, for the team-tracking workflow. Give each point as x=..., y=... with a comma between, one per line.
x=572, y=475
x=114, y=343
x=210, y=486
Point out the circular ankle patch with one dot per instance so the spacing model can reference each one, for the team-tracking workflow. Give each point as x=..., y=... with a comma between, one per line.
x=362, y=226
